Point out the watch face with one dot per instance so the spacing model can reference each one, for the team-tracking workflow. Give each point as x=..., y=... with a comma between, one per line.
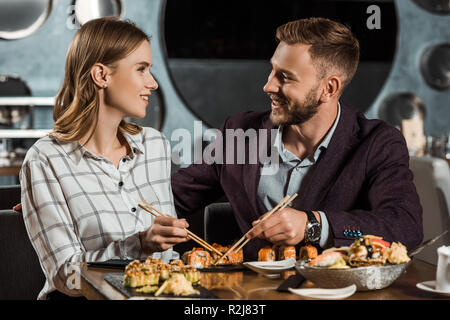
x=313, y=232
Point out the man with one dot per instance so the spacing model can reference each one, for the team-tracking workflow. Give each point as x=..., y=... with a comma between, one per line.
x=351, y=174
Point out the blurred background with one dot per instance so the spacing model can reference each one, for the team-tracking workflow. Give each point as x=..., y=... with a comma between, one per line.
x=211, y=59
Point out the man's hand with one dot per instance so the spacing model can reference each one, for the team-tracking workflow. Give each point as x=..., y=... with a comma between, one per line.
x=286, y=227
x=164, y=233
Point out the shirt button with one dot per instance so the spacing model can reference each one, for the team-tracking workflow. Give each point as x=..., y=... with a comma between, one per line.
x=133, y=209
x=124, y=160
x=120, y=183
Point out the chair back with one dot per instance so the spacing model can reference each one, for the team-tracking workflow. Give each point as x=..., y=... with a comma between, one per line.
x=220, y=225
x=432, y=181
x=21, y=276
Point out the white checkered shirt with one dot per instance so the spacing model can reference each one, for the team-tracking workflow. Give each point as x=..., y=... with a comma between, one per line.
x=79, y=207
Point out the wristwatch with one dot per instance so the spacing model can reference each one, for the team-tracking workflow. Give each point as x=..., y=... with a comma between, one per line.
x=313, y=228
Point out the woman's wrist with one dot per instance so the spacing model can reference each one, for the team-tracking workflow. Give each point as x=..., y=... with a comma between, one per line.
x=146, y=248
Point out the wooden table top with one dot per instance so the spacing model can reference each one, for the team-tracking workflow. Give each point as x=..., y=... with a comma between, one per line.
x=243, y=285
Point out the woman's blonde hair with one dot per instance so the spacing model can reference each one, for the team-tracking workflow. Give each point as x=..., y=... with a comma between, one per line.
x=106, y=41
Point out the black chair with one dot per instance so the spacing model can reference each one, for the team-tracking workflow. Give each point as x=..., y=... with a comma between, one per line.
x=220, y=225
x=21, y=276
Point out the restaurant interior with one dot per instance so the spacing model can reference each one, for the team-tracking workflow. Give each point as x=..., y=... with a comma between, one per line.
x=211, y=60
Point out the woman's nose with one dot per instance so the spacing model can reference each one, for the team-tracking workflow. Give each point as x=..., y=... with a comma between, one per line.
x=151, y=83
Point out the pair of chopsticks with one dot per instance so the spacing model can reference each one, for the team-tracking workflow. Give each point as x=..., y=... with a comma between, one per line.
x=241, y=243
x=149, y=208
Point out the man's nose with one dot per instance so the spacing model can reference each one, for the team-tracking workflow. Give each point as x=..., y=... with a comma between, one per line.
x=271, y=85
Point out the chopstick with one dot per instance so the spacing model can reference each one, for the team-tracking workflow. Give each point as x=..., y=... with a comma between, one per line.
x=268, y=215
x=191, y=235
x=285, y=201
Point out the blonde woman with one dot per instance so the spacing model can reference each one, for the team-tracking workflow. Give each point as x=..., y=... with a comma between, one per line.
x=82, y=184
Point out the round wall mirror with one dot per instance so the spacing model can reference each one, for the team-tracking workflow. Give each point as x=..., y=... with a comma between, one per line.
x=435, y=66
x=86, y=10
x=21, y=18
x=435, y=6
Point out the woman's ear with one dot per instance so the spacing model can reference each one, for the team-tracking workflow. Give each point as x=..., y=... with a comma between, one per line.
x=100, y=75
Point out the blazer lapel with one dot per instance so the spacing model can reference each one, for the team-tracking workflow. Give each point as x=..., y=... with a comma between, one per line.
x=252, y=172
x=330, y=161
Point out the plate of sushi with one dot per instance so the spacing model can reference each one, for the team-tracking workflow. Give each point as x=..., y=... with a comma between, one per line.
x=369, y=262
x=153, y=278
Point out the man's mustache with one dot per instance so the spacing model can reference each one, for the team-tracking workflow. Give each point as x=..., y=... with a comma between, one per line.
x=276, y=97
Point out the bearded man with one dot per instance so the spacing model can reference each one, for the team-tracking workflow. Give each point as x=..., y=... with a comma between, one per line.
x=351, y=174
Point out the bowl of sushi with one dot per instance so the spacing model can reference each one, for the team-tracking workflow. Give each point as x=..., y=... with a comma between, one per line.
x=370, y=263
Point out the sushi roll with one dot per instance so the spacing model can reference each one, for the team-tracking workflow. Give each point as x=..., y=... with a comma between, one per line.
x=177, y=262
x=198, y=258
x=307, y=252
x=329, y=260
x=164, y=270
x=234, y=257
x=191, y=274
x=266, y=254
x=285, y=252
x=151, y=260
x=138, y=278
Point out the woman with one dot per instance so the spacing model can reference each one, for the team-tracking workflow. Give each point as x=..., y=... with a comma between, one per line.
x=82, y=184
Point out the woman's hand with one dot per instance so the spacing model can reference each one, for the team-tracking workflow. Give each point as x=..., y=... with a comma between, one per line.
x=164, y=233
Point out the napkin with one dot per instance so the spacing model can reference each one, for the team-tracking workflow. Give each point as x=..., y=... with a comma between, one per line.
x=292, y=282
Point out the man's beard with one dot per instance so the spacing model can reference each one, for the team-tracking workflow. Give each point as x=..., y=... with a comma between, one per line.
x=299, y=113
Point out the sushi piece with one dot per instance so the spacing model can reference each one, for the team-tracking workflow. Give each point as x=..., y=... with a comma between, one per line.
x=327, y=259
x=138, y=278
x=367, y=251
x=151, y=260
x=234, y=257
x=266, y=254
x=191, y=274
x=307, y=252
x=135, y=264
x=285, y=252
x=164, y=270
x=177, y=262
x=198, y=258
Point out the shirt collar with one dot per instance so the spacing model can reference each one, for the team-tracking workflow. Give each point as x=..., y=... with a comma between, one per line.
x=76, y=151
x=286, y=155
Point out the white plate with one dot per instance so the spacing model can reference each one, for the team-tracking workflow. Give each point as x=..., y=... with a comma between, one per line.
x=319, y=293
x=271, y=267
x=430, y=286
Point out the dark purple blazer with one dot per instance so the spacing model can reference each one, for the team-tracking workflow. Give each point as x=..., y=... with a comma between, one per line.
x=362, y=183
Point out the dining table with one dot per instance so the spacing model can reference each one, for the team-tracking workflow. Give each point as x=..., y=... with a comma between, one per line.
x=246, y=284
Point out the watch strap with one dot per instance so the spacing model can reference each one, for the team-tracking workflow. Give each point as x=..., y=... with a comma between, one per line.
x=311, y=216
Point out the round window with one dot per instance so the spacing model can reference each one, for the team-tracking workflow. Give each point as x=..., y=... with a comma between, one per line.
x=86, y=10
x=21, y=18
